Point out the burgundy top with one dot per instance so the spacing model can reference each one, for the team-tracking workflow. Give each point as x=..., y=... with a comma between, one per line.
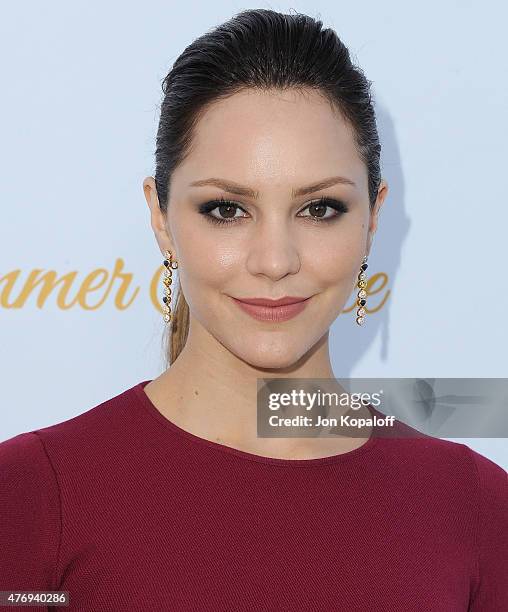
x=127, y=511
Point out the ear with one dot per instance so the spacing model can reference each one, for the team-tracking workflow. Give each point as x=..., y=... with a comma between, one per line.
x=158, y=219
x=382, y=192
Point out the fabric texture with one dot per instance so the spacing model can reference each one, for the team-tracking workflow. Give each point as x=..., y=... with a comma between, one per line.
x=127, y=511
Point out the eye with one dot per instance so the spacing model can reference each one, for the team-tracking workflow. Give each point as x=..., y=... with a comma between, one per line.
x=225, y=208
x=318, y=209
x=324, y=209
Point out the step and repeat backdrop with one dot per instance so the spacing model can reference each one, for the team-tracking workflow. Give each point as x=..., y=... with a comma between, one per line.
x=80, y=271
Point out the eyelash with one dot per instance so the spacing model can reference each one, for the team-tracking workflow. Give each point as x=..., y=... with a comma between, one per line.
x=207, y=207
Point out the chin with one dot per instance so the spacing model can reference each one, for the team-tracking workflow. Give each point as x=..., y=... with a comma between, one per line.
x=269, y=357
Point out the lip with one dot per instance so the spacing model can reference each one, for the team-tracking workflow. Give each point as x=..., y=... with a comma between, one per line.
x=283, y=301
x=264, y=309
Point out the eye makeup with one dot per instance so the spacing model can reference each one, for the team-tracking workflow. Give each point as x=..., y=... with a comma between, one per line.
x=228, y=206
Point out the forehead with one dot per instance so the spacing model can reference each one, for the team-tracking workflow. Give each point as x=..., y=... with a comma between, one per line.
x=292, y=137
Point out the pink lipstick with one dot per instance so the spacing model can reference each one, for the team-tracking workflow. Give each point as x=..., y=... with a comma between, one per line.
x=264, y=309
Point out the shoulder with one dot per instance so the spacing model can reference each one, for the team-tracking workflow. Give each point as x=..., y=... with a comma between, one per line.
x=491, y=483
x=27, y=476
x=489, y=474
x=492, y=487
x=483, y=472
x=453, y=458
x=445, y=463
x=490, y=587
x=472, y=479
x=93, y=426
x=23, y=455
x=73, y=441
x=31, y=514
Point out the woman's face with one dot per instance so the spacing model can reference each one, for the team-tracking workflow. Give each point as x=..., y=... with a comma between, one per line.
x=272, y=241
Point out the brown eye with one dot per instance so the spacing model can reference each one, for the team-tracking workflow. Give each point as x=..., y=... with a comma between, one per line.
x=227, y=210
x=222, y=211
x=317, y=210
x=325, y=209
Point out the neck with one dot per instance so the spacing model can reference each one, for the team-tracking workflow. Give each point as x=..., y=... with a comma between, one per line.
x=212, y=393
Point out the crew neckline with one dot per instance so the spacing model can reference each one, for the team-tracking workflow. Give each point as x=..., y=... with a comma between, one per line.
x=150, y=407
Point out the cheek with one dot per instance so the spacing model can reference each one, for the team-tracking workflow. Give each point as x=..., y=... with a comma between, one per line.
x=332, y=260
x=209, y=262
x=213, y=257
x=206, y=254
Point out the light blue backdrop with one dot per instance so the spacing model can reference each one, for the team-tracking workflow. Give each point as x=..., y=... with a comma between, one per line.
x=79, y=110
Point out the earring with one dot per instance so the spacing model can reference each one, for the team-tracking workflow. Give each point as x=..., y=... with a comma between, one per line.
x=362, y=294
x=170, y=265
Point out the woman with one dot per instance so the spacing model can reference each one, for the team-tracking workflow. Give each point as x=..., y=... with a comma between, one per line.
x=266, y=198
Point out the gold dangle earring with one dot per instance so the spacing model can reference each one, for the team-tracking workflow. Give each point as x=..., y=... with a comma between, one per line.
x=362, y=294
x=169, y=265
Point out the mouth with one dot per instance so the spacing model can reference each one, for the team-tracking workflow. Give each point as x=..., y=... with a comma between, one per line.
x=263, y=309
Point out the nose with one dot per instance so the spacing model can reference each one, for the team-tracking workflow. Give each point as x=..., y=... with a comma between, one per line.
x=272, y=251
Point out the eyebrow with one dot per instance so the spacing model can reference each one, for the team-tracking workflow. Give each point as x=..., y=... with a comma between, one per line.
x=241, y=190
